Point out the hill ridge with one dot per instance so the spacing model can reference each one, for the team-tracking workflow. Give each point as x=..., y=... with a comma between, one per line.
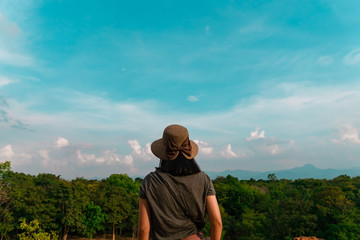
x=306, y=171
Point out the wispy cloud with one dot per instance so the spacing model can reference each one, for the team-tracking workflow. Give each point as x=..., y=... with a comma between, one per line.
x=3, y=102
x=5, y=81
x=10, y=48
x=8, y=28
x=352, y=57
x=273, y=149
x=43, y=153
x=325, y=60
x=192, y=98
x=9, y=121
x=99, y=113
x=135, y=83
x=207, y=29
x=11, y=58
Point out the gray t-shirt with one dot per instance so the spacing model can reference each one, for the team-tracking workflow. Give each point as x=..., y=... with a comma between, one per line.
x=168, y=220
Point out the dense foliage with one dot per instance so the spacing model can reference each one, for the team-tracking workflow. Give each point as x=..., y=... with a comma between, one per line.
x=78, y=207
x=284, y=209
x=251, y=210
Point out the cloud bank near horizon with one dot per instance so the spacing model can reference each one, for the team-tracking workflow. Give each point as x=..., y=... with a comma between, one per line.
x=222, y=136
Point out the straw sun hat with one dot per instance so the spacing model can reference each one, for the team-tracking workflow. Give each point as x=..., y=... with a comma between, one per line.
x=175, y=140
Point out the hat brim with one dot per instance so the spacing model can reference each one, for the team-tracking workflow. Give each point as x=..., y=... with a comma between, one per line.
x=159, y=150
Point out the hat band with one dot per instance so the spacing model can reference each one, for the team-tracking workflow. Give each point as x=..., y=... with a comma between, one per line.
x=172, y=150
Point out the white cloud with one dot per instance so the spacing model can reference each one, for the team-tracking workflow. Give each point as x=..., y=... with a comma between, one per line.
x=85, y=158
x=128, y=160
x=207, y=29
x=304, y=111
x=348, y=133
x=352, y=57
x=61, y=142
x=148, y=149
x=267, y=144
x=325, y=60
x=11, y=44
x=256, y=135
x=7, y=27
x=227, y=152
x=134, y=144
x=21, y=159
x=6, y=153
x=11, y=58
x=108, y=157
x=206, y=150
x=192, y=98
x=204, y=147
x=274, y=149
x=44, y=154
x=25, y=157
x=4, y=81
x=143, y=153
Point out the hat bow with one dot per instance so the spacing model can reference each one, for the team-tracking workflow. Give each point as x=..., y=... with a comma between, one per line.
x=173, y=150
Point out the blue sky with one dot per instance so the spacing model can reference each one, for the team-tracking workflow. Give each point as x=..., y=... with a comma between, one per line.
x=86, y=86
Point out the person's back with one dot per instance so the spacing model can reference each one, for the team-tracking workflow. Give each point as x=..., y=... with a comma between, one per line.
x=173, y=199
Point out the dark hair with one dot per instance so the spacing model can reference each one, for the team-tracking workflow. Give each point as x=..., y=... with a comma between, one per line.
x=180, y=166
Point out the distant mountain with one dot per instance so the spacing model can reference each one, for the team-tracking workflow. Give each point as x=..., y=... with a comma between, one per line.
x=306, y=171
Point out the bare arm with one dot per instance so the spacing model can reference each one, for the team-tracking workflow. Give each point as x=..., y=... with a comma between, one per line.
x=144, y=219
x=213, y=211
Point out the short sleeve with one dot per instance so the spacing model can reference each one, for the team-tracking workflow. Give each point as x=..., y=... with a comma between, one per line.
x=210, y=187
x=142, y=191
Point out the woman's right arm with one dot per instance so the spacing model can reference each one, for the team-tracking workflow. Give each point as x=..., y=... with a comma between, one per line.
x=213, y=212
x=144, y=219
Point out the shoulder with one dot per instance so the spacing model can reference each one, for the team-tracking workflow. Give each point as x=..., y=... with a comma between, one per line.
x=210, y=190
x=149, y=176
x=204, y=175
x=145, y=184
x=200, y=177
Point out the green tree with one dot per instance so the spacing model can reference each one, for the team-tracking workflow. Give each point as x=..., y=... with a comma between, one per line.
x=272, y=177
x=35, y=198
x=74, y=199
x=94, y=218
x=245, y=206
x=5, y=215
x=33, y=231
x=118, y=196
x=48, y=213
x=338, y=219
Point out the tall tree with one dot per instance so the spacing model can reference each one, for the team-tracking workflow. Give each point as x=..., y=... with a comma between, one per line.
x=74, y=200
x=117, y=198
x=94, y=219
x=5, y=215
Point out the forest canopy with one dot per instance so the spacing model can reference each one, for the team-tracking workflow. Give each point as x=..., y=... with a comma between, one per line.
x=251, y=209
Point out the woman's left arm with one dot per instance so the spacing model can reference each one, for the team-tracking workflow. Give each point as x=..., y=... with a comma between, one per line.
x=144, y=219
